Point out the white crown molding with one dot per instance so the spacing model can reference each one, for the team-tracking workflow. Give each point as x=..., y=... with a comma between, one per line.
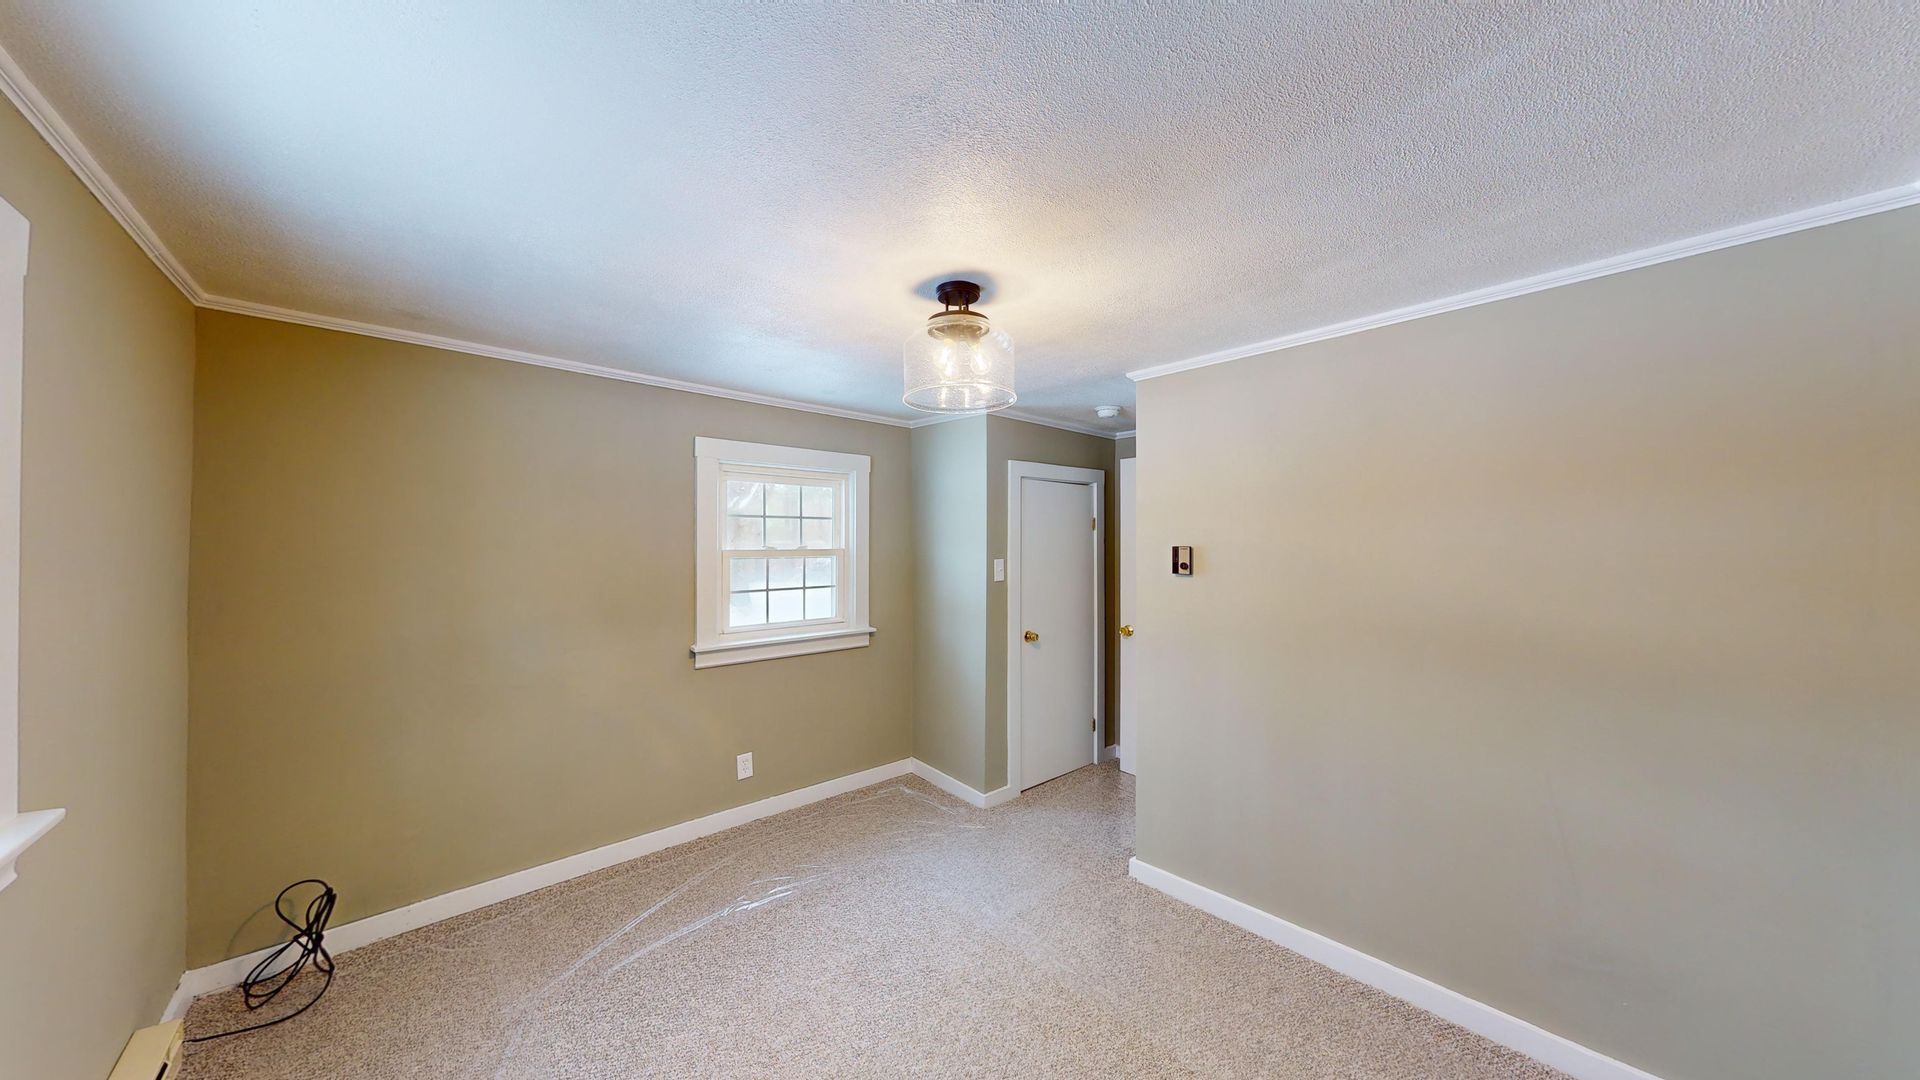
x=943, y=418
x=46, y=120
x=1025, y=418
x=1832, y=213
x=1118, y=435
x=435, y=341
x=1063, y=425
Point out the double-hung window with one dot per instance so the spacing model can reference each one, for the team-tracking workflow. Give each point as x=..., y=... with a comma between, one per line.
x=782, y=551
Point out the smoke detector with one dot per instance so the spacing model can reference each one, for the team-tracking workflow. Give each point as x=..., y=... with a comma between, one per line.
x=1106, y=412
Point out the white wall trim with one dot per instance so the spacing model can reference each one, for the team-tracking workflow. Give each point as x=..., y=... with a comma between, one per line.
x=1096, y=479
x=519, y=356
x=729, y=653
x=1003, y=794
x=1482, y=1019
x=386, y=924
x=15, y=233
x=18, y=831
x=1831, y=213
x=47, y=121
x=41, y=114
x=1024, y=417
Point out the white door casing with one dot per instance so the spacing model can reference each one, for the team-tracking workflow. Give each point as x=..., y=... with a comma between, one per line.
x=1123, y=656
x=17, y=830
x=1055, y=528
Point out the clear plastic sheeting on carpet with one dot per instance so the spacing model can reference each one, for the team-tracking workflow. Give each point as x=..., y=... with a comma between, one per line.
x=892, y=931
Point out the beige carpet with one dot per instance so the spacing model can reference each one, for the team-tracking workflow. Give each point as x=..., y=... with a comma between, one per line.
x=893, y=931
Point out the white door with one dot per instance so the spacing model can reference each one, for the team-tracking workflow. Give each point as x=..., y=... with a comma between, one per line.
x=1123, y=656
x=1057, y=608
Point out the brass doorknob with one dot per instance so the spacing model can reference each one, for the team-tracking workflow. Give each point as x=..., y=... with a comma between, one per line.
x=1031, y=636
x=1127, y=630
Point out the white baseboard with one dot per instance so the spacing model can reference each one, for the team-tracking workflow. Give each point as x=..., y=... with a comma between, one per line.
x=958, y=790
x=1482, y=1019
x=386, y=924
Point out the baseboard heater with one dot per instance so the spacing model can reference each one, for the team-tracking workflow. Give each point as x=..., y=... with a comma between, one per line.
x=152, y=1054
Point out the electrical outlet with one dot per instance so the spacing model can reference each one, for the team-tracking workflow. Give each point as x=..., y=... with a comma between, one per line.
x=743, y=766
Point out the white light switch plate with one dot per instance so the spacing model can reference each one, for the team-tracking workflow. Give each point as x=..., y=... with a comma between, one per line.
x=999, y=569
x=743, y=766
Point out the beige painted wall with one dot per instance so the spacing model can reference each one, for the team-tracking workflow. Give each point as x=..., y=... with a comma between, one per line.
x=441, y=610
x=91, y=935
x=1566, y=651
x=950, y=574
x=1015, y=440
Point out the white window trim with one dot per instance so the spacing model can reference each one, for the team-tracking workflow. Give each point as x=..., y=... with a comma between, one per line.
x=18, y=831
x=712, y=647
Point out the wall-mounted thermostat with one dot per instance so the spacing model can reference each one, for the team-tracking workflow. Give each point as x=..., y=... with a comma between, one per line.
x=1183, y=560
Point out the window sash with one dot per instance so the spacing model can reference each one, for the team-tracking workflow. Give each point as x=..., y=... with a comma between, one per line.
x=843, y=583
x=841, y=586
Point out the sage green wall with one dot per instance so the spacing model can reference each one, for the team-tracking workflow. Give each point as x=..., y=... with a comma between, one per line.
x=1566, y=651
x=1016, y=440
x=950, y=574
x=91, y=935
x=441, y=611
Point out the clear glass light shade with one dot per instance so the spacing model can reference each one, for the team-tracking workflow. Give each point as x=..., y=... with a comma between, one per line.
x=958, y=363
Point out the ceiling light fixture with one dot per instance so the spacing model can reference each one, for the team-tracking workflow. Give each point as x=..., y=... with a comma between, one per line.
x=957, y=362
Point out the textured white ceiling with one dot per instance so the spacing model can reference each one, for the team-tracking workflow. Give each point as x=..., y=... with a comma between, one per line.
x=750, y=195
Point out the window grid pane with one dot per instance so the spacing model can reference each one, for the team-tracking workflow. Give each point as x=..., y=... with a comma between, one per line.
x=786, y=573
x=767, y=591
x=783, y=532
x=765, y=517
x=783, y=500
x=785, y=606
x=744, y=497
x=820, y=603
x=816, y=502
x=746, y=609
x=745, y=574
x=769, y=514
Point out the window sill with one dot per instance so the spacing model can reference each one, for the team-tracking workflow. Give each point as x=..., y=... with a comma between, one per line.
x=17, y=834
x=746, y=652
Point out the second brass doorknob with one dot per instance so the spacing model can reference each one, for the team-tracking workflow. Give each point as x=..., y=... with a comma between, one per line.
x=1127, y=630
x=1031, y=636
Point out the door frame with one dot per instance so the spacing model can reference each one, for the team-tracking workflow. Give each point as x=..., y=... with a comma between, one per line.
x=1095, y=480
x=17, y=830
x=1126, y=497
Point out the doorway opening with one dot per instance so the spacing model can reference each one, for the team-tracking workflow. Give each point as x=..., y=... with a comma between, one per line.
x=1056, y=526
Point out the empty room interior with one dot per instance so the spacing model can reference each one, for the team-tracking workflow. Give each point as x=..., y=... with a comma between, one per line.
x=1289, y=540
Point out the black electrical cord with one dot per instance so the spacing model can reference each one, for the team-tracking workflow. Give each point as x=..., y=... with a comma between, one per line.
x=265, y=981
